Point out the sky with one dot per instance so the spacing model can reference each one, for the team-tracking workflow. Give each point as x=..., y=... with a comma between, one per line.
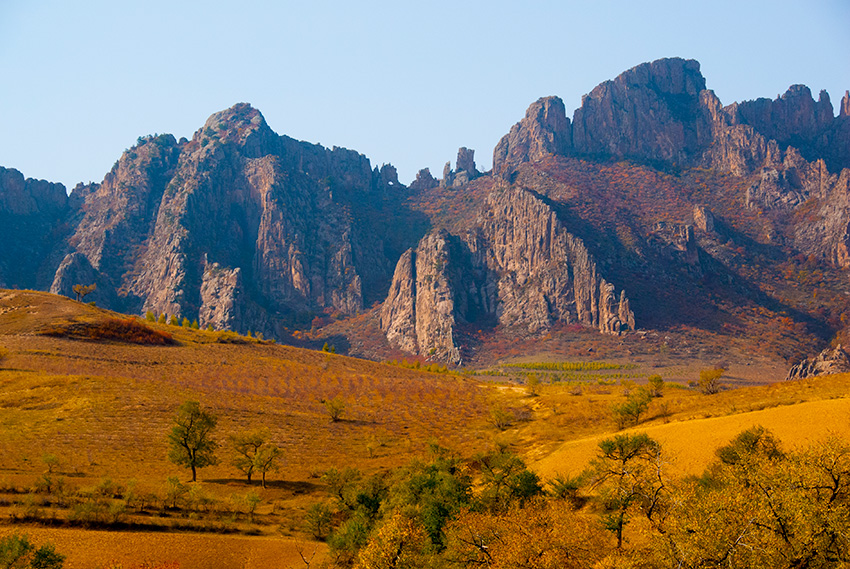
x=402, y=82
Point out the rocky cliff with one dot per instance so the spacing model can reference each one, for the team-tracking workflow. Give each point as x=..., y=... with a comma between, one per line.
x=544, y=130
x=237, y=216
x=518, y=264
x=32, y=220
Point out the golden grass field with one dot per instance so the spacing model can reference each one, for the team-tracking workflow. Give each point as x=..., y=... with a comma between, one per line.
x=103, y=409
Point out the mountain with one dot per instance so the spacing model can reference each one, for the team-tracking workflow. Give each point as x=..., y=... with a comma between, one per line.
x=653, y=207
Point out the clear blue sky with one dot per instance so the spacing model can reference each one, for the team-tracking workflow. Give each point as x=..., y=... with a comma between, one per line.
x=401, y=82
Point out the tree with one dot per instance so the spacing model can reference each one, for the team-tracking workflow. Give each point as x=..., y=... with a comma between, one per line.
x=16, y=552
x=656, y=385
x=83, y=290
x=709, y=380
x=759, y=506
x=401, y=542
x=629, y=412
x=191, y=439
x=627, y=471
x=335, y=408
x=254, y=453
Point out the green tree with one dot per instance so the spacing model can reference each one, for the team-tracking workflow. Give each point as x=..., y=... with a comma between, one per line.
x=627, y=472
x=629, y=412
x=254, y=453
x=16, y=552
x=191, y=440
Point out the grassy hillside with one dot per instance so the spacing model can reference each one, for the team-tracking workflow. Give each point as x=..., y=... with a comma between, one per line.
x=83, y=424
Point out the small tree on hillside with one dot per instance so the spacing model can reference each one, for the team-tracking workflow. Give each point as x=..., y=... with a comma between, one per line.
x=709, y=380
x=335, y=408
x=191, y=439
x=83, y=291
x=254, y=453
x=630, y=411
x=627, y=473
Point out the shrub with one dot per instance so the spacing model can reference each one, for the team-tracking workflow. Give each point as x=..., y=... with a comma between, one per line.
x=629, y=412
x=127, y=330
x=335, y=408
x=656, y=385
x=318, y=520
x=709, y=380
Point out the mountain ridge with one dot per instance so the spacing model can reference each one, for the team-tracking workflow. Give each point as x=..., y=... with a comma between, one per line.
x=246, y=229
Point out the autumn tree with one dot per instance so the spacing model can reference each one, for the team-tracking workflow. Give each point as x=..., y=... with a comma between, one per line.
x=335, y=408
x=83, y=291
x=540, y=535
x=401, y=542
x=191, y=442
x=759, y=506
x=709, y=380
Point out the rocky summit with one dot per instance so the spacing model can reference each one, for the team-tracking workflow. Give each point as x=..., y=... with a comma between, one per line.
x=654, y=207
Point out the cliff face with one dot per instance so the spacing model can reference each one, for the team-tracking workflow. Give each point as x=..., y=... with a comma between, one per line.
x=236, y=216
x=426, y=299
x=544, y=273
x=246, y=229
x=518, y=264
x=32, y=213
x=651, y=111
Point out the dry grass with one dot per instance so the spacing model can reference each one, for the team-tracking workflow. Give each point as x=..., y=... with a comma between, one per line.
x=104, y=408
x=88, y=549
x=695, y=425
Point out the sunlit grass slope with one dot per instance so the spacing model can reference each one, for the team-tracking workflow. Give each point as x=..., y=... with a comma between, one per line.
x=800, y=413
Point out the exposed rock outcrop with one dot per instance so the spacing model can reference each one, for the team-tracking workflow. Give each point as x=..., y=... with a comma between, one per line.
x=465, y=170
x=32, y=213
x=245, y=204
x=704, y=219
x=518, y=264
x=424, y=181
x=829, y=361
x=544, y=130
x=653, y=111
x=222, y=298
x=420, y=312
x=544, y=273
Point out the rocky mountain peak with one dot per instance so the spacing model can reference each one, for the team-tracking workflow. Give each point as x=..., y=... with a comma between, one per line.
x=544, y=130
x=242, y=125
x=651, y=111
x=845, y=105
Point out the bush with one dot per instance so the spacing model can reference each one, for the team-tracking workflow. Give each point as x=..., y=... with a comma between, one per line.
x=629, y=412
x=127, y=330
x=318, y=520
x=656, y=385
x=709, y=380
x=17, y=551
x=335, y=408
